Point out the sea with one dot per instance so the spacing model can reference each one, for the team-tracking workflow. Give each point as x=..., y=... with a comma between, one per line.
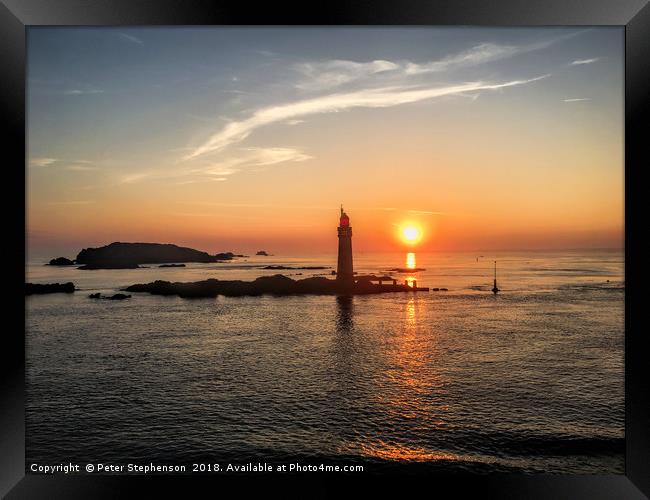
x=458, y=380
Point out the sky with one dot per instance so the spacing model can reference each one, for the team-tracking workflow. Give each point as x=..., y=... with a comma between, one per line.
x=240, y=139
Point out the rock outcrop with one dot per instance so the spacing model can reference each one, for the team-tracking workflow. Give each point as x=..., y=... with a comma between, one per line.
x=273, y=285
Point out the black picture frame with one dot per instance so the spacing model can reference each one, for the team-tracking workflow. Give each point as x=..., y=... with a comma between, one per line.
x=16, y=15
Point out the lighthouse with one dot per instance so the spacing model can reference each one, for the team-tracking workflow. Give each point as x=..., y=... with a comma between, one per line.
x=344, y=272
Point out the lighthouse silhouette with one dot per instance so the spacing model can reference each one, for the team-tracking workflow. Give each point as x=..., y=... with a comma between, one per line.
x=344, y=273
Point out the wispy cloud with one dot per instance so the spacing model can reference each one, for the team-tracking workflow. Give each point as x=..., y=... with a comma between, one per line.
x=418, y=212
x=81, y=168
x=578, y=62
x=255, y=205
x=576, y=99
x=327, y=74
x=196, y=181
x=237, y=131
x=426, y=212
x=321, y=75
x=130, y=38
x=266, y=53
x=377, y=84
x=251, y=158
x=193, y=214
x=135, y=177
x=83, y=92
x=78, y=165
x=480, y=54
x=71, y=202
x=271, y=156
x=42, y=162
x=217, y=171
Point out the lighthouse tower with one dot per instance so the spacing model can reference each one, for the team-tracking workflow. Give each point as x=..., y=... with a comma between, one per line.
x=344, y=272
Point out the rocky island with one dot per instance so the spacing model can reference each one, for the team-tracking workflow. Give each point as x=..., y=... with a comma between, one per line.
x=130, y=255
x=272, y=285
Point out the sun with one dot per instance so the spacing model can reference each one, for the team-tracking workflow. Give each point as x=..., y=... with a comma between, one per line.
x=411, y=234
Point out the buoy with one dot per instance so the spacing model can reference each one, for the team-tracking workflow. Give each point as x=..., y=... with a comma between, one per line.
x=495, y=289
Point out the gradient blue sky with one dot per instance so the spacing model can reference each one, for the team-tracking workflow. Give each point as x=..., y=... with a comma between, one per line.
x=243, y=138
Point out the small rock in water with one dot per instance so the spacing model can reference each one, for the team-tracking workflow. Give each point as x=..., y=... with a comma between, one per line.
x=406, y=270
x=118, y=296
x=95, y=295
x=61, y=261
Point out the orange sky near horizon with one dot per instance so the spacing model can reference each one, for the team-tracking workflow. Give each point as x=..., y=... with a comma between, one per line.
x=493, y=150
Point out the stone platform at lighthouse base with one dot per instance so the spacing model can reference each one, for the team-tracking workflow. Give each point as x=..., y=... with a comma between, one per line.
x=270, y=285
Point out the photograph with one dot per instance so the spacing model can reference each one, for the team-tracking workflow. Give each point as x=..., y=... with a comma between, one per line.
x=351, y=250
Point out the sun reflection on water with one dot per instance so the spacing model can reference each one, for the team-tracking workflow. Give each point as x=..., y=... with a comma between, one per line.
x=410, y=260
x=389, y=451
x=410, y=312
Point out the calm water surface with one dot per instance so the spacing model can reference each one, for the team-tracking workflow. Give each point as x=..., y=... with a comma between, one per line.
x=530, y=380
